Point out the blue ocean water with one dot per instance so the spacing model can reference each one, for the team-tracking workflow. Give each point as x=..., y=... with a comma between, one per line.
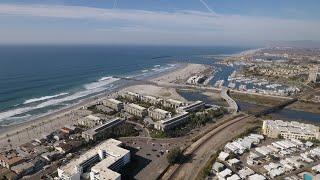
x=38, y=79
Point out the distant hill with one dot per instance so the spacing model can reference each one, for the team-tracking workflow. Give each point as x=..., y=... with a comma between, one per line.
x=296, y=44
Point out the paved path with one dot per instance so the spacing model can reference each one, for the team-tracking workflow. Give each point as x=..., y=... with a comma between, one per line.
x=143, y=128
x=232, y=103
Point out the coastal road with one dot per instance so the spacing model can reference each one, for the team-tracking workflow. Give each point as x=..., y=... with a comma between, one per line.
x=202, y=149
x=232, y=103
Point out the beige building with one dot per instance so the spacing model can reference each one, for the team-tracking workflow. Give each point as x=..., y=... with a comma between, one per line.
x=98, y=131
x=314, y=74
x=172, y=103
x=90, y=121
x=158, y=114
x=135, y=110
x=151, y=99
x=290, y=129
x=172, y=122
x=113, y=104
x=103, y=161
x=131, y=95
x=10, y=158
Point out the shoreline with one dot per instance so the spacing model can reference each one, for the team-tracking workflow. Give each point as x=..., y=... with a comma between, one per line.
x=11, y=130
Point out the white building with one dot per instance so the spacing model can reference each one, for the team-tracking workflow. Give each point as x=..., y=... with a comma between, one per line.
x=135, y=109
x=151, y=99
x=314, y=74
x=158, y=114
x=113, y=104
x=90, y=121
x=96, y=132
x=289, y=130
x=195, y=106
x=172, y=122
x=131, y=95
x=105, y=159
x=172, y=103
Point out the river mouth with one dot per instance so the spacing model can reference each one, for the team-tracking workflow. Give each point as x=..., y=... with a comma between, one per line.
x=285, y=114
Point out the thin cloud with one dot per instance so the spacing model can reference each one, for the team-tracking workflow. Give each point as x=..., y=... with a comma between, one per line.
x=160, y=26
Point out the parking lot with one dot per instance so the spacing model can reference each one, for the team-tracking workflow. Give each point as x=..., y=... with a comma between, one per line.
x=148, y=155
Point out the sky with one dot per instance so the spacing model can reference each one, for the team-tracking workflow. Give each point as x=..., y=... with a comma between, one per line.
x=158, y=22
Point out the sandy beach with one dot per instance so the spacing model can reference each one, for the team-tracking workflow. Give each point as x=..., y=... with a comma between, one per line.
x=181, y=74
x=27, y=131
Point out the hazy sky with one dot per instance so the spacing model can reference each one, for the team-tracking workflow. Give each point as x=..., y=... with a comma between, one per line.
x=178, y=22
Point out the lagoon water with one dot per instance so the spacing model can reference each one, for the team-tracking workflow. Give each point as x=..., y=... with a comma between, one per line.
x=38, y=79
x=285, y=114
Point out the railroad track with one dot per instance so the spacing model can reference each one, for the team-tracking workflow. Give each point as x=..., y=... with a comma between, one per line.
x=196, y=147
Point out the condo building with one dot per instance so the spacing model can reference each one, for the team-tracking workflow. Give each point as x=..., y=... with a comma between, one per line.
x=90, y=121
x=172, y=122
x=135, y=110
x=289, y=130
x=172, y=103
x=98, y=131
x=158, y=114
x=113, y=104
x=195, y=106
x=131, y=95
x=314, y=74
x=151, y=99
x=102, y=162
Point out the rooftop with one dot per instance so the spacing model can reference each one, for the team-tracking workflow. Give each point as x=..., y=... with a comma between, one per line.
x=92, y=117
x=114, y=101
x=292, y=126
x=136, y=106
x=111, y=146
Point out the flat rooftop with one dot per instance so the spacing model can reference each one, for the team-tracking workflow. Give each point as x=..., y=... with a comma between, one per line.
x=111, y=146
x=114, y=101
x=293, y=126
x=161, y=111
x=136, y=106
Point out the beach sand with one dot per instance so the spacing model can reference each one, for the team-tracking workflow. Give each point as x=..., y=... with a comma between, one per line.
x=27, y=131
x=152, y=90
x=182, y=74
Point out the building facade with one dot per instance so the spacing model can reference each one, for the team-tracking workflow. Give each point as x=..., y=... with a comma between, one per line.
x=151, y=99
x=90, y=121
x=131, y=95
x=289, y=130
x=172, y=122
x=96, y=132
x=172, y=103
x=135, y=110
x=104, y=160
x=158, y=114
x=113, y=104
x=314, y=74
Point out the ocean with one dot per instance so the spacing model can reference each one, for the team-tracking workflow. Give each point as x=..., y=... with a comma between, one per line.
x=35, y=80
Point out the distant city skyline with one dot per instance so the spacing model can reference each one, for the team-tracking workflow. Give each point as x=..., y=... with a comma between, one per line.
x=163, y=22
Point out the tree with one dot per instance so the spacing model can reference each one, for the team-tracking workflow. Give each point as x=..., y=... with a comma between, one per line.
x=175, y=155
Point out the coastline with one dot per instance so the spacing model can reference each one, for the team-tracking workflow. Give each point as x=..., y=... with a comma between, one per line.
x=80, y=104
x=59, y=117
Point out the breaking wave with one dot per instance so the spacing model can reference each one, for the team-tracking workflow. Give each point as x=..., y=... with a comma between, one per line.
x=44, y=98
x=90, y=88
